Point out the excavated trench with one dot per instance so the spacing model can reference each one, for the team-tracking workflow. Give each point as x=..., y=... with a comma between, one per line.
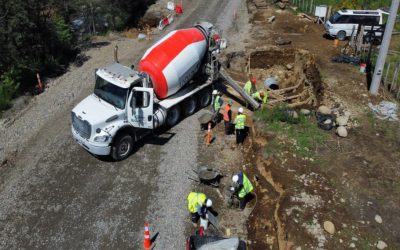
x=299, y=85
x=297, y=77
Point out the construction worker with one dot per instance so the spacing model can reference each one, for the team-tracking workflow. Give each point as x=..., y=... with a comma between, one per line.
x=240, y=122
x=260, y=96
x=250, y=86
x=228, y=117
x=216, y=104
x=242, y=187
x=197, y=205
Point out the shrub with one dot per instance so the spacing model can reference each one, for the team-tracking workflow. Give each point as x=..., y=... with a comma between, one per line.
x=9, y=83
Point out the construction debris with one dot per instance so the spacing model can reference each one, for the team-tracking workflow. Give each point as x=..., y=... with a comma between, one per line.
x=260, y=4
x=305, y=16
x=281, y=41
x=385, y=110
x=271, y=19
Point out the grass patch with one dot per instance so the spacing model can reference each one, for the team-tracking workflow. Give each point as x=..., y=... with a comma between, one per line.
x=302, y=132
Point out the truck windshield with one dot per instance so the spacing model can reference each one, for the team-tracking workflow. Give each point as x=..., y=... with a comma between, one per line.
x=110, y=93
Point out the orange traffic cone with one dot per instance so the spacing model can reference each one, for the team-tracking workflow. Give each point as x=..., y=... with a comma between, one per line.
x=147, y=242
x=209, y=134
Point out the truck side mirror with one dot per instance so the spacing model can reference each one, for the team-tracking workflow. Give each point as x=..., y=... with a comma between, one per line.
x=133, y=101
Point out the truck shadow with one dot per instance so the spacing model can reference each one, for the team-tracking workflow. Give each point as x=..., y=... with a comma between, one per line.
x=159, y=137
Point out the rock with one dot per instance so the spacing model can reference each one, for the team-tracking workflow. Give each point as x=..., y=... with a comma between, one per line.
x=341, y=131
x=378, y=219
x=289, y=66
x=381, y=245
x=328, y=121
x=342, y=120
x=305, y=111
x=329, y=227
x=324, y=110
x=294, y=114
x=352, y=245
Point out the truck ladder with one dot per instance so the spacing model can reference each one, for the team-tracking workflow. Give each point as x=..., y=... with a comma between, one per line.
x=224, y=75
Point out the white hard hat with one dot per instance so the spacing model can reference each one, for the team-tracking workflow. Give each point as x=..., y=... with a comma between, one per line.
x=235, y=178
x=240, y=110
x=209, y=203
x=215, y=92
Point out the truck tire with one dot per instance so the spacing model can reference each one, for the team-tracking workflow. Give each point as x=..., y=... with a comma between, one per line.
x=189, y=106
x=341, y=35
x=173, y=116
x=204, y=98
x=123, y=147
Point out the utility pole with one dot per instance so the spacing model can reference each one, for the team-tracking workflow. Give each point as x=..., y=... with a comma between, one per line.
x=380, y=63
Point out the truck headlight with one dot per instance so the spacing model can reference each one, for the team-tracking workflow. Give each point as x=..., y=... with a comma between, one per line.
x=101, y=138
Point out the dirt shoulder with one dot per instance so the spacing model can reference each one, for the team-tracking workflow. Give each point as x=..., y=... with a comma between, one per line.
x=352, y=182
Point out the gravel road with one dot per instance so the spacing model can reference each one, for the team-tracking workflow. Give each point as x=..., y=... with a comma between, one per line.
x=54, y=195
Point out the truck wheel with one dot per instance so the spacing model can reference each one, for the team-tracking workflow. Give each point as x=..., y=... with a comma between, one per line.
x=173, y=116
x=190, y=106
x=204, y=98
x=122, y=147
x=341, y=35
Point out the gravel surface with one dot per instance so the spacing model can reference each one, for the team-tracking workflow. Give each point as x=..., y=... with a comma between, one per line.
x=54, y=195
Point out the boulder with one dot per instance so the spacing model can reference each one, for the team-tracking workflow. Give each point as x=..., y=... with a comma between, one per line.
x=342, y=120
x=329, y=227
x=381, y=245
x=305, y=111
x=341, y=131
x=324, y=110
x=294, y=114
x=378, y=219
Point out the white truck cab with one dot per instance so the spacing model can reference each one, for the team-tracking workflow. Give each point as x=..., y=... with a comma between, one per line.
x=119, y=99
x=344, y=23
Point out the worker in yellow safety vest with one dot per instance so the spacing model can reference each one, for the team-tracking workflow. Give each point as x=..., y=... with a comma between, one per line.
x=216, y=104
x=197, y=205
x=242, y=187
x=260, y=96
x=250, y=86
x=240, y=122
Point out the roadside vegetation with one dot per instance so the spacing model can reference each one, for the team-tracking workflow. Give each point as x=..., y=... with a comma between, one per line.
x=301, y=133
x=44, y=36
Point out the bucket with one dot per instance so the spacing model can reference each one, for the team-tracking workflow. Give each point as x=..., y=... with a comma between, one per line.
x=204, y=223
x=363, y=67
x=335, y=43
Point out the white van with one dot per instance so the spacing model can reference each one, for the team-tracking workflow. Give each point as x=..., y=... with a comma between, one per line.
x=344, y=22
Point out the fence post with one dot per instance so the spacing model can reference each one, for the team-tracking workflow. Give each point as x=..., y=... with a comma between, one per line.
x=329, y=12
x=386, y=75
x=395, y=75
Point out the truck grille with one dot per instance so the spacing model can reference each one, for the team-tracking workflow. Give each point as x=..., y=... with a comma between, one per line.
x=82, y=127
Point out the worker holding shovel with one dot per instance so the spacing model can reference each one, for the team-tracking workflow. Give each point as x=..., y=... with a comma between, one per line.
x=198, y=203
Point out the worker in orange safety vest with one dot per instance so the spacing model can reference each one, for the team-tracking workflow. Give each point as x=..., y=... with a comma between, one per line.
x=228, y=117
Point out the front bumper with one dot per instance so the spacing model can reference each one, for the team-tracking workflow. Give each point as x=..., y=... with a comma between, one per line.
x=94, y=149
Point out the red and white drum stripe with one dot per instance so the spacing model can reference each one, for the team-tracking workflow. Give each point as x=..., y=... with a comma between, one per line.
x=173, y=60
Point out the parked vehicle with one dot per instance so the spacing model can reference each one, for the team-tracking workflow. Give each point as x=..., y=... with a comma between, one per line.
x=127, y=105
x=345, y=23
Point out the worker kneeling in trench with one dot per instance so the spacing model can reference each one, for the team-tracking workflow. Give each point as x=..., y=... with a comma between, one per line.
x=242, y=187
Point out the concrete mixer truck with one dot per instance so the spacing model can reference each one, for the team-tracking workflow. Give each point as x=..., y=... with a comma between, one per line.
x=173, y=79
